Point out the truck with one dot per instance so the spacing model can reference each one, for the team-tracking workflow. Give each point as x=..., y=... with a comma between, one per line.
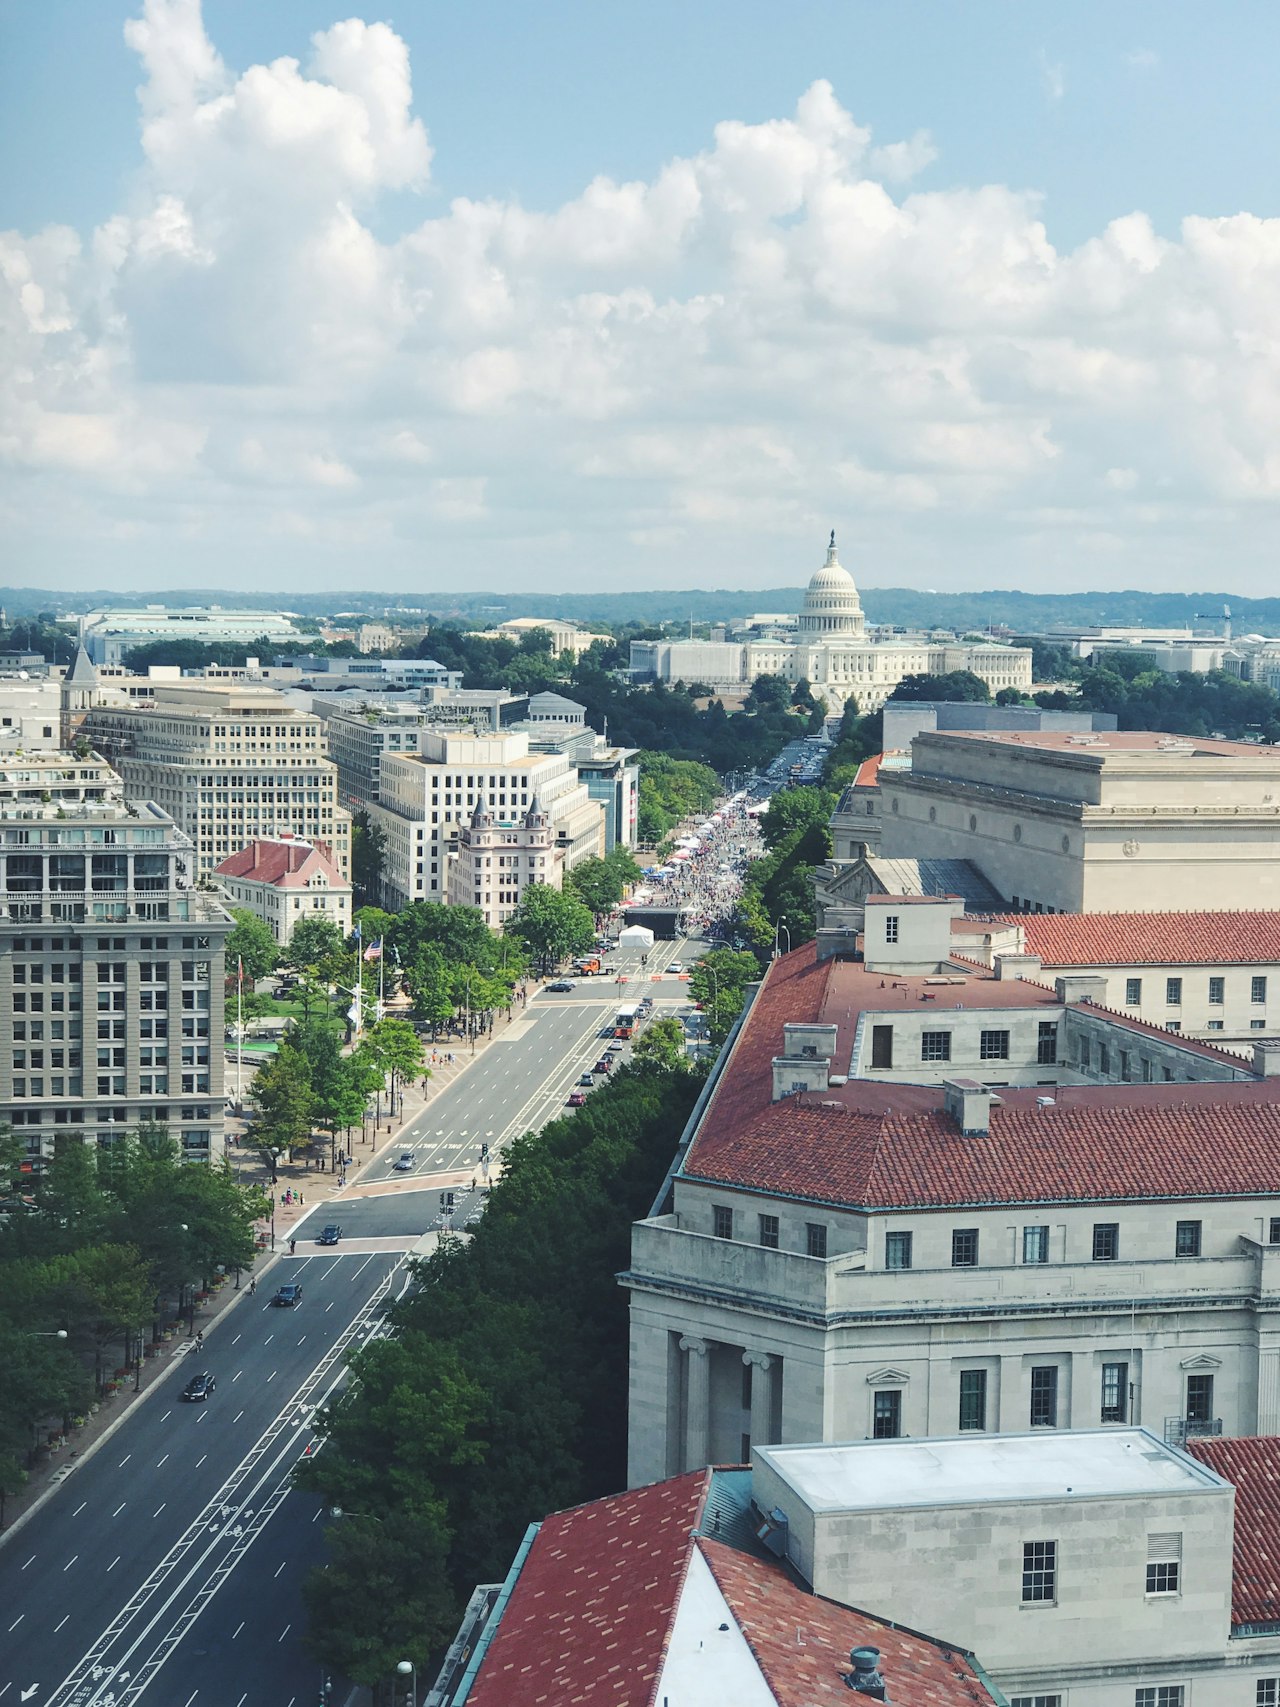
x=587, y=966
x=628, y=1021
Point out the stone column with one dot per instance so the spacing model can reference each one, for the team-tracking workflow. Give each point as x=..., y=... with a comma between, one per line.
x=697, y=1415
x=760, y=1365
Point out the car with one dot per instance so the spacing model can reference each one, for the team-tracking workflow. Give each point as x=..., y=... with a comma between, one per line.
x=199, y=1387
x=585, y=1079
x=603, y=1065
x=329, y=1235
x=403, y=1162
x=561, y=987
x=615, y=1047
x=675, y=969
x=577, y=1098
x=287, y=1297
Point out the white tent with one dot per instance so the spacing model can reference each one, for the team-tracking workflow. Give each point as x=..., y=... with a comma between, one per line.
x=635, y=936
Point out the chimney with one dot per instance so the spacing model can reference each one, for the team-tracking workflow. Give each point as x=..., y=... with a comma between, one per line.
x=1266, y=1059
x=865, y=1676
x=968, y=1102
x=1018, y=966
x=805, y=1062
x=1081, y=987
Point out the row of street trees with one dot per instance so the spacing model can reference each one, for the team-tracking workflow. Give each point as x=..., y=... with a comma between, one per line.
x=100, y=1247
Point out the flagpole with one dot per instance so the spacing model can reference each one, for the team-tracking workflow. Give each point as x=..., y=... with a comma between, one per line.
x=381, y=990
x=239, y=1031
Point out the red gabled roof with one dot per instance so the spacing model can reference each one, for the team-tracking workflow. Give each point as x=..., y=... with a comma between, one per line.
x=590, y=1614
x=286, y=864
x=802, y=1642
x=868, y=772
x=1253, y=1465
x=1146, y=939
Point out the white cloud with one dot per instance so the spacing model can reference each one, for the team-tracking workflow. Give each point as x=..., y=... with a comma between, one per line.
x=687, y=376
x=1053, y=77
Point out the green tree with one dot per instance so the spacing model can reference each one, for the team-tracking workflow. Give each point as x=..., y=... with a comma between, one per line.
x=282, y=1094
x=794, y=809
x=430, y=983
x=663, y=1042
x=251, y=945
x=596, y=883
x=368, y=858
x=316, y=944
x=953, y=685
x=551, y=924
x=718, y=983
x=396, y=1046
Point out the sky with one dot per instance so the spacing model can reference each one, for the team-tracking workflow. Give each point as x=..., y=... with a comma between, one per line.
x=575, y=296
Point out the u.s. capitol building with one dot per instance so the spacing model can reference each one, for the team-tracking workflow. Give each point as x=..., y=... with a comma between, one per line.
x=830, y=650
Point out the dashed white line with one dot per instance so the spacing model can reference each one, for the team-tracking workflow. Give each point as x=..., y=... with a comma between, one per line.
x=280, y=1638
x=166, y=1416
x=119, y=1508
x=238, y=1415
x=237, y=1339
x=270, y=1378
x=30, y=1561
x=164, y=1460
x=79, y=1508
x=71, y=1561
x=114, y=1562
x=124, y=1460
x=283, y=1563
x=236, y=1376
x=16, y=1622
x=239, y=1627
x=58, y=1627
x=200, y=1460
x=159, y=1508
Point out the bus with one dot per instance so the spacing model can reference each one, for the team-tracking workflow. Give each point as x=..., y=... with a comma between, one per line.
x=628, y=1021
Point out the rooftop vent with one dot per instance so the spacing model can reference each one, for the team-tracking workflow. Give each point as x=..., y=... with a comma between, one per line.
x=865, y=1676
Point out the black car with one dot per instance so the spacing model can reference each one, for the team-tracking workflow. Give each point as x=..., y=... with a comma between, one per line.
x=288, y=1296
x=329, y=1235
x=561, y=987
x=199, y=1387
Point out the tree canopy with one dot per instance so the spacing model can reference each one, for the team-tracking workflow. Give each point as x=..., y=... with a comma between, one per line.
x=251, y=944
x=551, y=924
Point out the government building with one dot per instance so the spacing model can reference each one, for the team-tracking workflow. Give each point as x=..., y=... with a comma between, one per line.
x=832, y=652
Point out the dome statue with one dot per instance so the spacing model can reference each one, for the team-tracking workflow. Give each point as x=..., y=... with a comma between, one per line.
x=832, y=610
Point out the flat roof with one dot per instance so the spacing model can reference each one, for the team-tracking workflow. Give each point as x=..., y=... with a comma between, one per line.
x=885, y=1475
x=1103, y=742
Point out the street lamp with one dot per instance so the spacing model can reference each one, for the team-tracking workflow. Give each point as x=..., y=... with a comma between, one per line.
x=47, y=1334
x=406, y=1668
x=777, y=929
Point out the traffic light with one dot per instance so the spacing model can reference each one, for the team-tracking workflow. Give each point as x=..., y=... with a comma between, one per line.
x=484, y=1152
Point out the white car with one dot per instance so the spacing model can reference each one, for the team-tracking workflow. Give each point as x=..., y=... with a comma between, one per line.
x=675, y=968
x=404, y=1162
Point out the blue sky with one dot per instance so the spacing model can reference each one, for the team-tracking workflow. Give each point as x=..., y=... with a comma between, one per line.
x=906, y=308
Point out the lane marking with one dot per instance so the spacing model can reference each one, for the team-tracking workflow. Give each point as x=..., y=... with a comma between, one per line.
x=124, y=1460
x=79, y=1508
x=159, y=1508
x=280, y=1638
x=119, y=1508
x=114, y=1562
x=71, y=1561
x=164, y=1460
x=30, y=1561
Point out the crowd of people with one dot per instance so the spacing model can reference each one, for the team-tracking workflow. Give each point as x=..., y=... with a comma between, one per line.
x=704, y=873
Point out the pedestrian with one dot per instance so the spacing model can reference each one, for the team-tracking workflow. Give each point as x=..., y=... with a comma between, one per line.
x=200, y=1337
x=292, y=1243
x=253, y=1284
x=299, y=1197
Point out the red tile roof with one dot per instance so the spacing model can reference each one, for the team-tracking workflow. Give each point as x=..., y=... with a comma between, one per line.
x=887, y=1146
x=801, y=1642
x=1146, y=939
x=286, y=864
x=1253, y=1465
x=868, y=772
x=590, y=1614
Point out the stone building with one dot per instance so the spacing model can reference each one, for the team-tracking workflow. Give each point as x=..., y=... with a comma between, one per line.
x=1118, y=822
x=498, y=858
x=282, y=881
x=920, y=1200
x=230, y=763
x=111, y=964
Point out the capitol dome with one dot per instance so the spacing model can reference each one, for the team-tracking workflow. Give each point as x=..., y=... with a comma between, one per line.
x=832, y=609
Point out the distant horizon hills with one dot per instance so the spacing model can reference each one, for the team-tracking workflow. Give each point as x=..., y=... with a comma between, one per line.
x=908, y=607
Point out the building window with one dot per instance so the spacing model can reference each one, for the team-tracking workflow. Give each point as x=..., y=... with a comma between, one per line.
x=1187, y=1239
x=973, y=1399
x=887, y=1420
x=1106, y=1241
x=1032, y=1700
x=1199, y=1402
x=1267, y=1693
x=1047, y=1043
x=1164, y=1695
x=1273, y=1230
x=1162, y=1576
x=935, y=1046
x=1257, y=989
x=1216, y=1025
x=897, y=1250
x=815, y=1238
x=1173, y=992
x=891, y=927
x=1217, y=992
x=1044, y=1396
x=1039, y=1571
x=721, y=1221
x=882, y=1046
x=1115, y=1392
x=1133, y=992
x=769, y=1232
x=1035, y=1244
x=994, y=1046
x=964, y=1247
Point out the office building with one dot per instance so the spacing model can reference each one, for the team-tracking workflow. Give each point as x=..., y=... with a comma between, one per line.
x=1104, y=1570
x=1119, y=822
x=111, y=964
x=360, y=730
x=427, y=798
x=109, y=636
x=230, y=763
x=282, y=881
x=498, y=858
x=922, y=1200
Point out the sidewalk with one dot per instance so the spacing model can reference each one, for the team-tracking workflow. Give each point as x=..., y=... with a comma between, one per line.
x=318, y=1188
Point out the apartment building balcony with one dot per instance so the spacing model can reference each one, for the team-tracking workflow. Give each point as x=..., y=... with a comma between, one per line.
x=162, y=906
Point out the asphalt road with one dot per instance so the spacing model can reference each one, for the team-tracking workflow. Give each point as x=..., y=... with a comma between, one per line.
x=169, y=1564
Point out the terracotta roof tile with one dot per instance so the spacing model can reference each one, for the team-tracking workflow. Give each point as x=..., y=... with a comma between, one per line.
x=890, y=1146
x=285, y=864
x=590, y=1614
x=1146, y=939
x=1253, y=1465
x=801, y=1642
